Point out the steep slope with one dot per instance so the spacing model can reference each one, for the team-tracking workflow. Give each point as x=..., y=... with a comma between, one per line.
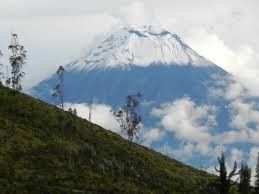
x=46, y=150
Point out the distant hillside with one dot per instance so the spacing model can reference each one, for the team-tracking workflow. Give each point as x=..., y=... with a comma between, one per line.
x=46, y=150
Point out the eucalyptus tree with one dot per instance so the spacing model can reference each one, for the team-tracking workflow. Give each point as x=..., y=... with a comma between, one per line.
x=1, y=66
x=58, y=90
x=128, y=118
x=17, y=60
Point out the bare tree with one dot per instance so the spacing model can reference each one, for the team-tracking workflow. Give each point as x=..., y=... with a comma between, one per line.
x=1, y=65
x=17, y=61
x=90, y=109
x=127, y=117
x=58, y=90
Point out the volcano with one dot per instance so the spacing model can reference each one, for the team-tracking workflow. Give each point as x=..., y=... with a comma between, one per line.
x=172, y=77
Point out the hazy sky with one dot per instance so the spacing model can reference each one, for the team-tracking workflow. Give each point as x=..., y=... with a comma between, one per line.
x=57, y=31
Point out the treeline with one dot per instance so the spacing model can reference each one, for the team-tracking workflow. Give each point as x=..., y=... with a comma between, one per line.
x=237, y=180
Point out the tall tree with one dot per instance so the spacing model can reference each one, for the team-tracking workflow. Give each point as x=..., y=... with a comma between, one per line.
x=257, y=176
x=1, y=66
x=90, y=109
x=245, y=179
x=224, y=177
x=17, y=61
x=58, y=90
x=127, y=117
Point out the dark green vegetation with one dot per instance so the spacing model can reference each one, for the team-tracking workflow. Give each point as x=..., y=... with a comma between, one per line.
x=224, y=176
x=46, y=150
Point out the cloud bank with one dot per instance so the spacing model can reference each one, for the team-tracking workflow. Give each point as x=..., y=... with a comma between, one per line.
x=101, y=115
x=187, y=120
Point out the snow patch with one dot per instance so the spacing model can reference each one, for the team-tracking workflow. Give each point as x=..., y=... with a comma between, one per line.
x=140, y=46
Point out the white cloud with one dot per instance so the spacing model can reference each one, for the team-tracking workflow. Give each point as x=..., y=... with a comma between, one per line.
x=187, y=120
x=187, y=150
x=232, y=136
x=242, y=62
x=244, y=114
x=237, y=155
x=101, y=115
x=183, y=153
x=54, y=41
x=245, y=124
x=228, y=88
x=234, y=91
x=136, y=14
x=151, y=135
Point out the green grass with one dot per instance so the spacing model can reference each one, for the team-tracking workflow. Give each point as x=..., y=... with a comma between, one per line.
x=46, y=150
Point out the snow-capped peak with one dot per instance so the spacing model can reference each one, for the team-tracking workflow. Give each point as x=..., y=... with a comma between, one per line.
x=140, y=46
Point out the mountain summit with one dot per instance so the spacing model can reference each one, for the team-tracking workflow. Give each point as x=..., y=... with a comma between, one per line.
x=140, y=46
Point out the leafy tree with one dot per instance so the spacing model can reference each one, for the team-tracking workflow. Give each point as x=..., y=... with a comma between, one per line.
x=224, y=177
x=17, y=61
x=245, y=179
x=58, y=90
x=257, y=176
x=127, y=117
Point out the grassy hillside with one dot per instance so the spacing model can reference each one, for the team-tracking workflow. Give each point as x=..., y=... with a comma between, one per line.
x=46, y=150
